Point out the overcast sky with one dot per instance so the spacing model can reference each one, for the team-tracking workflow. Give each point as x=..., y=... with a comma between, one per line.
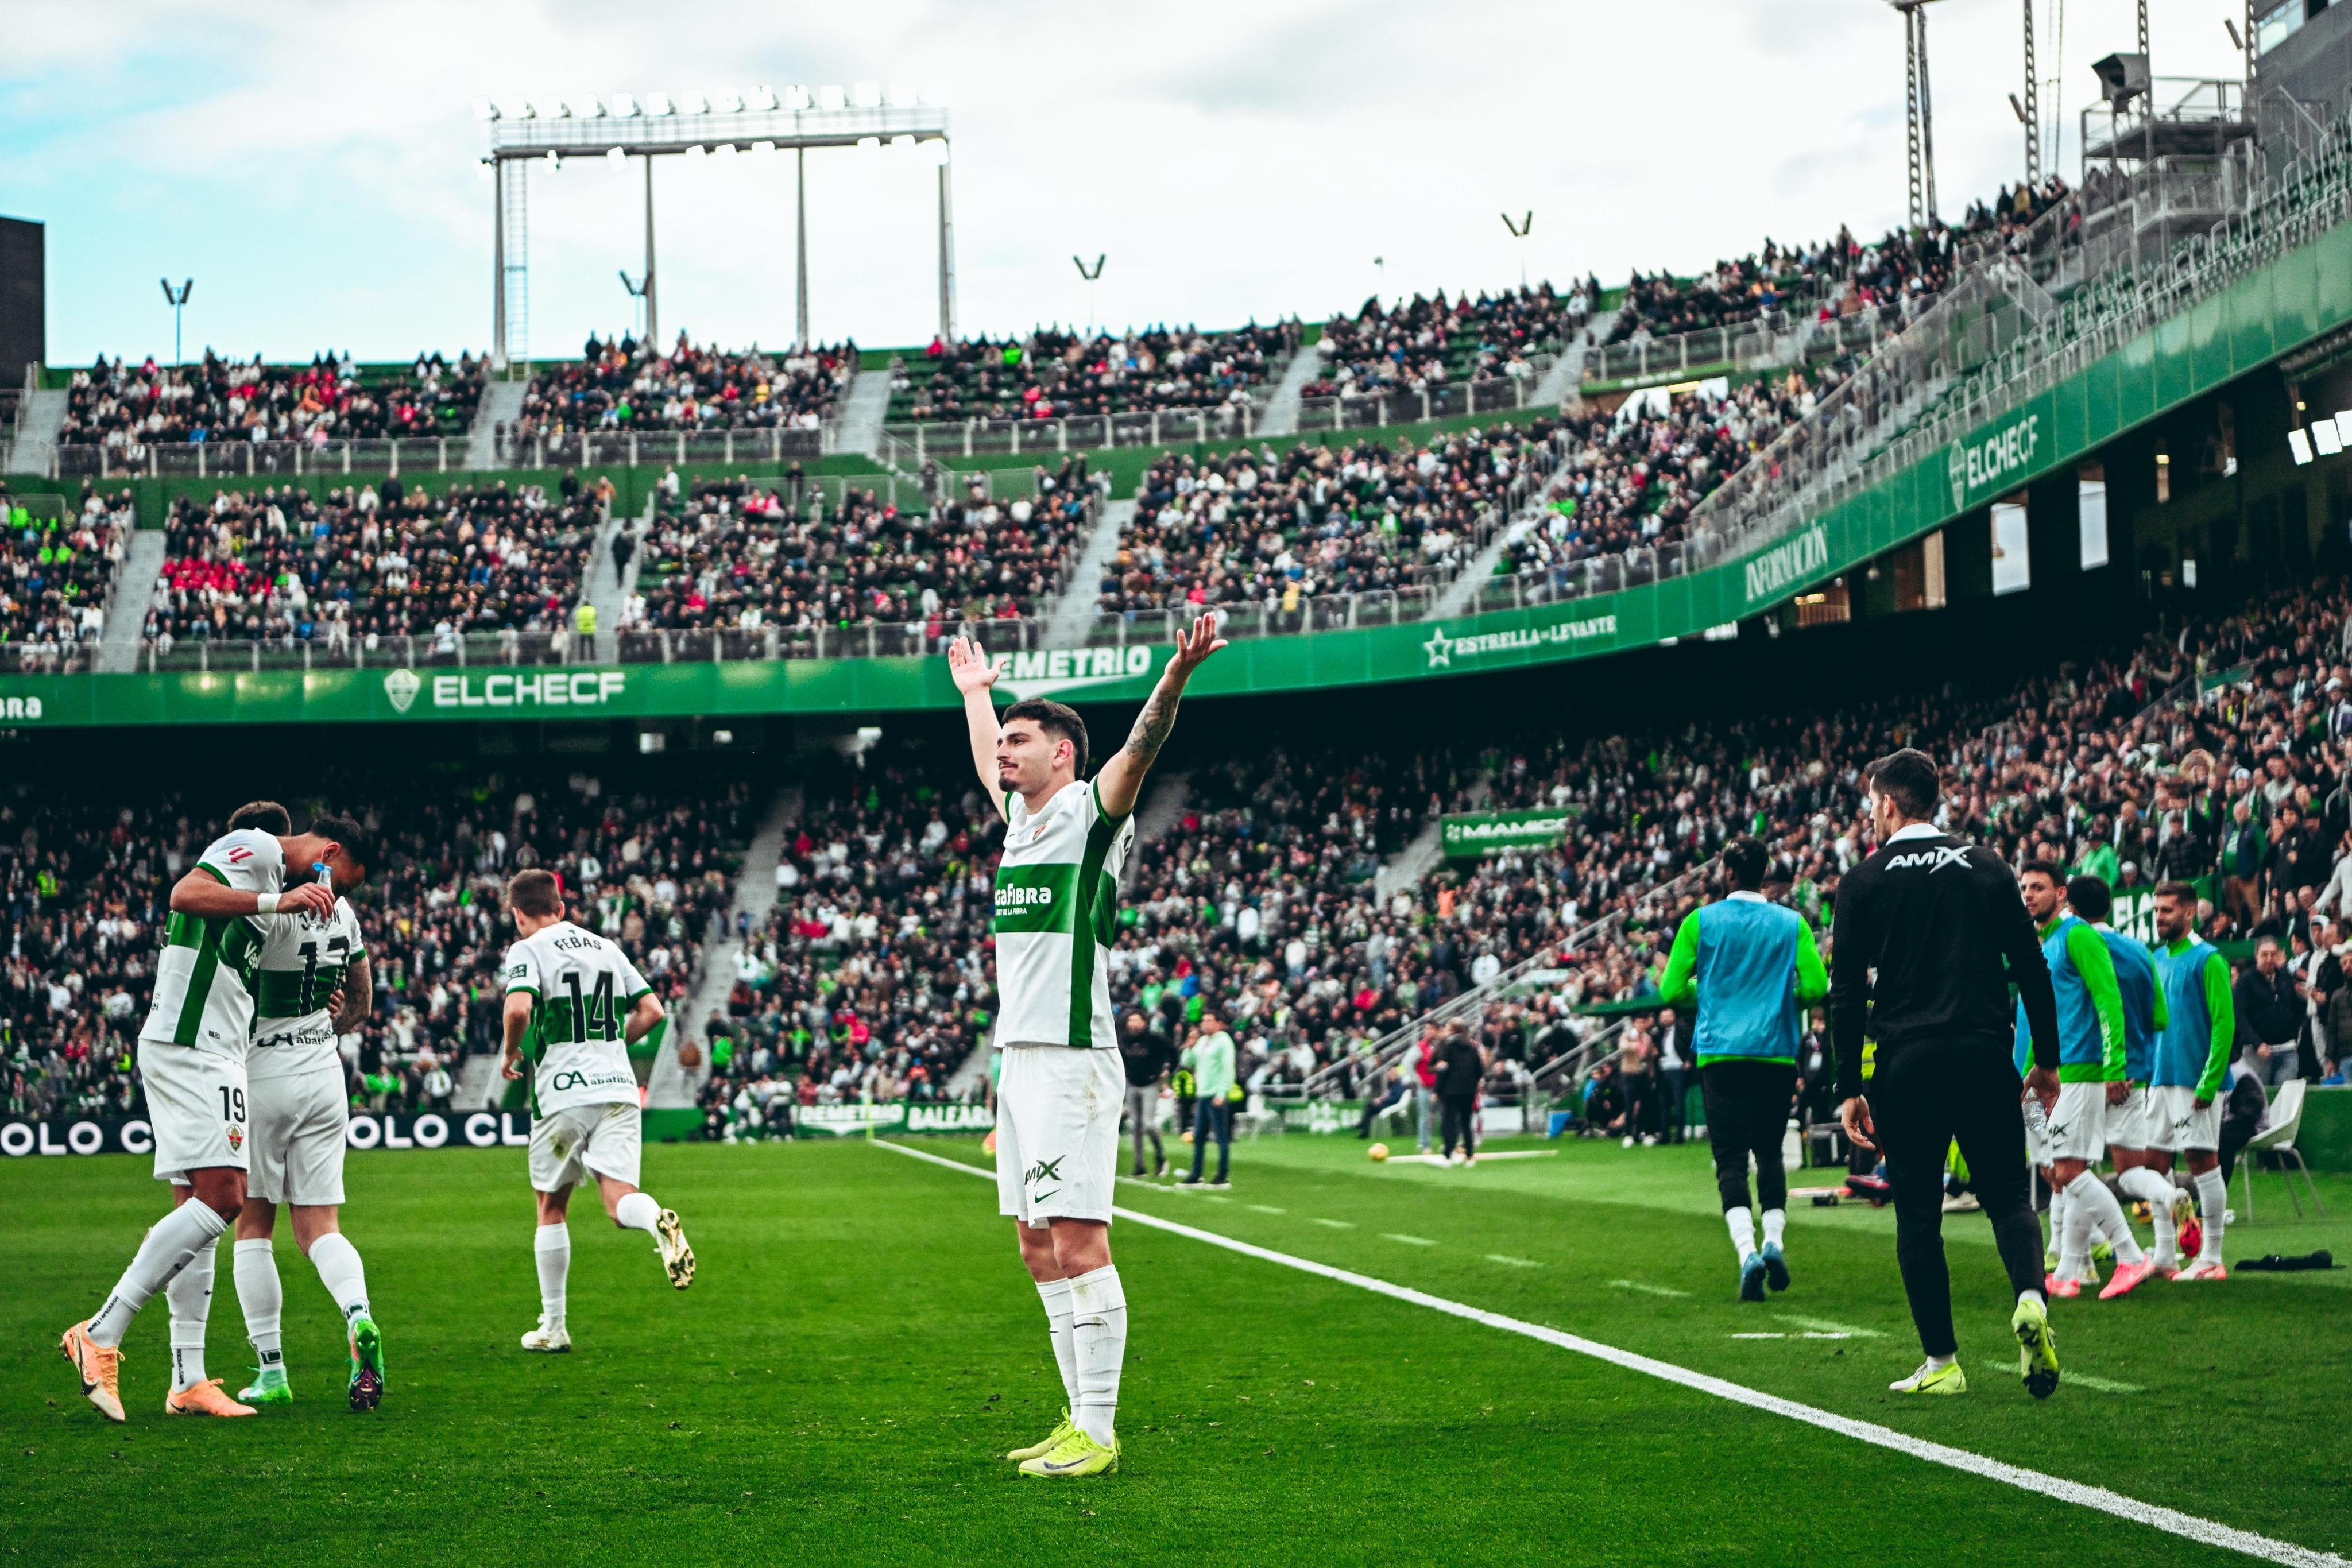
x=315, y=167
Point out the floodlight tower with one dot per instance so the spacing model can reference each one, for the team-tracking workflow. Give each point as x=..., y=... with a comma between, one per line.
x=177, y=298
x=1921, y=113
x=1519, y=231
x=2029, y=111
x=1092, y=279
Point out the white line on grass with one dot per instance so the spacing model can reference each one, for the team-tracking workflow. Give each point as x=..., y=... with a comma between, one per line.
x=1514, y=1262
x=1266, y=1208
x=2188, y=1526
x=1334, y=1224
x=1648, y=1290
x=1759, y=1336
x=1408, y=1240
x=2103, y=1384
x=1824, y=1325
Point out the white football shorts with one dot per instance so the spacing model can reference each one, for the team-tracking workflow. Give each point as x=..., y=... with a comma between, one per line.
x=1057, y=1111
x=196, y=1106
x=569, y=1146
x=2078, y=1126
x=299, y=1122
x=2132, y=1125
x=2180, y=1127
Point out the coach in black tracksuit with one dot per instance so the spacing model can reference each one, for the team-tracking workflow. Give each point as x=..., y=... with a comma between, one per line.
x=1942, y=925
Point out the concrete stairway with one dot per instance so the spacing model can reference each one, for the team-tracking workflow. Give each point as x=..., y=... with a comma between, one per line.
x=862, y=414
x=674, y=1087
x=134, y=592
x=1406, y=868
x=1072, y=615
x=608, y=593
x=501, y=404
x=39, y=420
x=1281, y=416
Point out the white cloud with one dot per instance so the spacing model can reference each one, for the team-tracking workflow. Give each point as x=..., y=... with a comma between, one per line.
x=314, y=166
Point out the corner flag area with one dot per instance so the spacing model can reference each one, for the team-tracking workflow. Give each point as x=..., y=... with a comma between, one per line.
x=1537, y=1360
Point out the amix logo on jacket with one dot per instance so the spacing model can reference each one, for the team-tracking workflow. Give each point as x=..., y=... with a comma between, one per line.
x=1935, y=859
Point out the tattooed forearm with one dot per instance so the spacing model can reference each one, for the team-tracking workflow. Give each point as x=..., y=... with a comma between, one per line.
x=1152, y=727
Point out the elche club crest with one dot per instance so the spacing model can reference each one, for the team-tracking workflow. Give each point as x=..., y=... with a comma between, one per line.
x=1959, y=471
x=400, y=687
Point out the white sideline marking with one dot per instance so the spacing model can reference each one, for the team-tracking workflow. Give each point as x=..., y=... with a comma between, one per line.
x=1648, y=1290
x=1835, y=1330
x=1408, y=1240
x=1514, y=1262
x=2102, y=1385
x=1499, y=1154
x=1334, y=1224
x=2188, y=1526
x=1759, y=1336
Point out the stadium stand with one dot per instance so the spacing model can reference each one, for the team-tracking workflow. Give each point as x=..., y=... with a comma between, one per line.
x=85, y=887
x=617, y=386
x=1423, y=343
x=330, y=399
x=1251, y=527
x=56, y=571
x=1052, y=373
x=357, y=565
x=773, y=564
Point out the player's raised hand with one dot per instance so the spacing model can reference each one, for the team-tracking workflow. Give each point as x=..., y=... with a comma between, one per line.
x=1194, y=644
x=972, y=668
x=313, y=898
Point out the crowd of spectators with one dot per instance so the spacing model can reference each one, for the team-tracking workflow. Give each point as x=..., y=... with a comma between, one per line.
x=55, y=573
x=1054, y=375
x=131, y=407
x=789, y=554
x=871, y=980
x=1421, y=344
x=1251, y=527
x=620, y=385
x=363, y=562
x=85, y=890
x=1631, y=478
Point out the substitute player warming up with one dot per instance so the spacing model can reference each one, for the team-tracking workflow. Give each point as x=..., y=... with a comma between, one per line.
x=192, y=1053
x=1753, y=968
x=576, y=1002
x=1063, y=1086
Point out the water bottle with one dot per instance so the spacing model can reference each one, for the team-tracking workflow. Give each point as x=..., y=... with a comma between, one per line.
x=323, y=876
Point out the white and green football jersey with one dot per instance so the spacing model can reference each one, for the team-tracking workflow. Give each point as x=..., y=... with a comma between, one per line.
x=302, y=962
x=582, y=988
x=1056, y=896
x=204, y=977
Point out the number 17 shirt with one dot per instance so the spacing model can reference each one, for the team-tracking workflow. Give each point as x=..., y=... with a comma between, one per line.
x=582, y=989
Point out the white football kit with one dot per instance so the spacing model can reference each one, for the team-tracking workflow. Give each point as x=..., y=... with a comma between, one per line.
x=1062, y=1088
x=296, y=1086
x=191, y=1048
x=583, y=1096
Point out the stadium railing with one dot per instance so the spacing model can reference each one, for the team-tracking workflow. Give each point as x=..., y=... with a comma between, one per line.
x=328, y=650
x=1997, y=338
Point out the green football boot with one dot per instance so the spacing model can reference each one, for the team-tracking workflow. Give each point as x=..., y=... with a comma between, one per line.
x=270, y=1387
x=367, y=1364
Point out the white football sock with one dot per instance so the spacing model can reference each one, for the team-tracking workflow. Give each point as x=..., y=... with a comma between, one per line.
x=2156, y=1191
x=1742, y=1226
x=2057, y=1220
x=262, y=1299
x=1055, y=1295
x=190, y=1296
x=340, y=1271
x=1099, y=1336
x=553, y=1246
x=2212, y=1198
x=638, y=1211
x=2096, y=1205
x=1776, y=1224
x=178, y=1236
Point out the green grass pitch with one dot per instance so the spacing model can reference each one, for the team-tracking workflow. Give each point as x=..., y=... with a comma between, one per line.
x=860, y=1345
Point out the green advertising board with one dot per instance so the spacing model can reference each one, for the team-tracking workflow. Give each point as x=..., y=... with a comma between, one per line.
x=2271, y=312
x=1468, y=834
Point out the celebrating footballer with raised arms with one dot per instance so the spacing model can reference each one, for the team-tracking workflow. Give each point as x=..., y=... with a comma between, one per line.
x=1063, y=1084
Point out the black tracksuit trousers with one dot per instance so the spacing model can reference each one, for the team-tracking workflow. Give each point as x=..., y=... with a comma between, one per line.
x=1925, y=1094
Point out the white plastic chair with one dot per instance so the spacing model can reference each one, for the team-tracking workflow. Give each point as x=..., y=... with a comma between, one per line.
x=2286, y=1118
